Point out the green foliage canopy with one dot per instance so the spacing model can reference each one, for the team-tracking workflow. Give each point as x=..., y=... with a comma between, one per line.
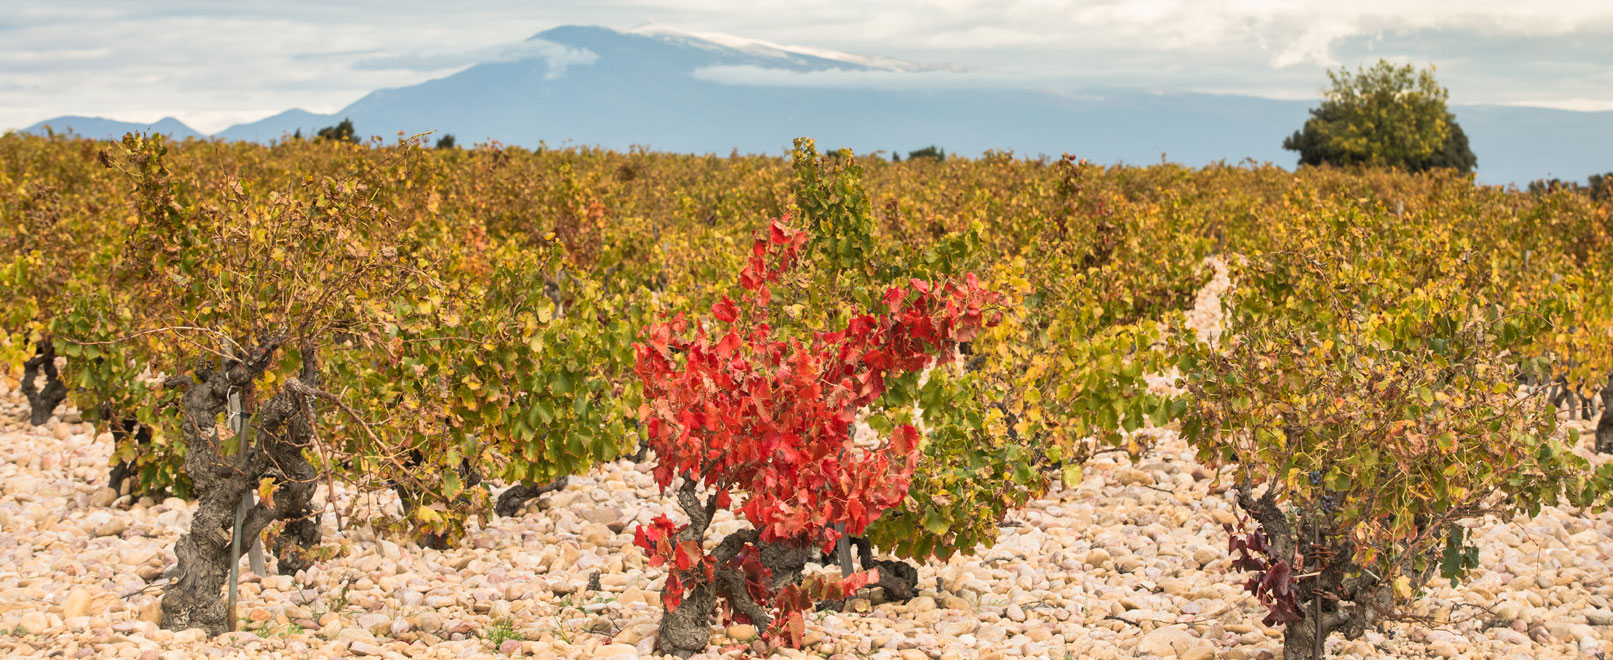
x=1385, y=115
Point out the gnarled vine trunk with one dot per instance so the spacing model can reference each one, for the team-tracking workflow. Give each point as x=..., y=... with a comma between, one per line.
x=298, y=481
x=410, y=498
x=282, y=428
x=1604, y=426
x=686, y=630
x=898, y=579
x=512, y=499
x=42, y=401
x=1354, y=602
x=124, y=474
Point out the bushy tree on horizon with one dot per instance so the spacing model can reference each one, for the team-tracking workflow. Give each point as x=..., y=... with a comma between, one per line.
x=1598, y=186
x=932, y=152
x=342, y=131
x=1384, y=115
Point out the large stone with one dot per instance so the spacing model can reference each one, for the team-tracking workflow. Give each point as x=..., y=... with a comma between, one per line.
x=1356, y=648
x=616, y=651
x=429, y=621
x=378, y=624
x=112, y=527
x=151, y=612
x=1167, y=642
x=78, y=604
x=364, y=648
x=1510, y=636
x=632, y=634
x=34, y=623
x=1443, y=649
x=1200, y=652
x=1135, y=477
x=237, y=638
x=601, y=515
x=742, y=632
x=103, y=497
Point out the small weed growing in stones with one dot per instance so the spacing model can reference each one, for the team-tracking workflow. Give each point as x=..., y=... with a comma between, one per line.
x=339, y=604
x=288, y=630
x=501, y=631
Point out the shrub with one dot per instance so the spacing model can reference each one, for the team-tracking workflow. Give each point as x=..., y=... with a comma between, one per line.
x=973, y=470
x=445, y=355
x=341, y=132
x=1365, y=400
x=1385, y=115
x=931, y=152
x=760, y=414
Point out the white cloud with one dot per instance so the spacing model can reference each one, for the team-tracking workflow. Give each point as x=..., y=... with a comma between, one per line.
x=1577, y=104
x=843, y=78
x=558, y=56
x=212, y=65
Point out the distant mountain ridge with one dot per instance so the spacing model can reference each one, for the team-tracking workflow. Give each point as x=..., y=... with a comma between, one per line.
x=707, y=93
x=101, y=127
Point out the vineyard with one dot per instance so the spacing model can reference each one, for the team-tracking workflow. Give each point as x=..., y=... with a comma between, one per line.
x=326, y=398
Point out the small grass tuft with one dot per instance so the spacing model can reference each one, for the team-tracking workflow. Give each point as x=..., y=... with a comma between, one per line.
x=501, y=631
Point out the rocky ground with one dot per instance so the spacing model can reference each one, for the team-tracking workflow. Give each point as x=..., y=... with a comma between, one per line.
x=1130, y=564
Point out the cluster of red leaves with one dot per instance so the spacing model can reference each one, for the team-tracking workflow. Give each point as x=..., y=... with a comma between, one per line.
x=684, y=559
x=733, y=408
x=792, y=600
x=1273, y=581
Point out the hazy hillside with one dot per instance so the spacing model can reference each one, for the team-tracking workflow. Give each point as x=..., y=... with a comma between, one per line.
x=681, y=92
x=102, y=127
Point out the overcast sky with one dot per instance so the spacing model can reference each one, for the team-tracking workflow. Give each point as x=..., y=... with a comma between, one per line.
x=215, y=64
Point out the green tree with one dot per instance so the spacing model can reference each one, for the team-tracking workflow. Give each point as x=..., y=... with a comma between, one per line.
x=446, y=141
x=1601, y=185
x=342, y=131
x=1385, y=115
x=932, y=152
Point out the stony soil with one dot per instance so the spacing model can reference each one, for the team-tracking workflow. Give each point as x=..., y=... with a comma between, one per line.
x=1130, y=564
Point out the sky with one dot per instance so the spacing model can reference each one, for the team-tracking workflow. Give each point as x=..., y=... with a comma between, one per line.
x=212, y=65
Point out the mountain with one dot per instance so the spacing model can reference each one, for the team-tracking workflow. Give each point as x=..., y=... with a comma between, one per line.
x=676, y=91
x=710, y=93
x=279, y=126
x=1518, y=144
x=97, y=127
